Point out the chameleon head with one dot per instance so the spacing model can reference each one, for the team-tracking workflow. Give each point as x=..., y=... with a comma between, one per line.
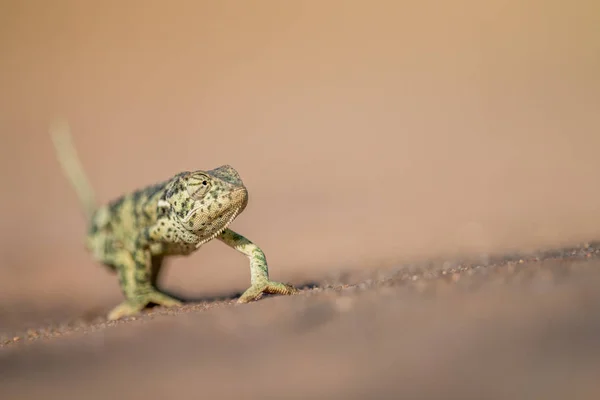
x=206, y=202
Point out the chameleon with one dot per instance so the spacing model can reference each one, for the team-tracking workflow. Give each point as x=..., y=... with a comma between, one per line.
x=134, y=233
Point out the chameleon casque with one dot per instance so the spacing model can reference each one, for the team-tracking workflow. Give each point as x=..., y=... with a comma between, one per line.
x=135, y=232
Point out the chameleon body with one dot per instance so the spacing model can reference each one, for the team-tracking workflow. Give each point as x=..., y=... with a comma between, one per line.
x=135, y=232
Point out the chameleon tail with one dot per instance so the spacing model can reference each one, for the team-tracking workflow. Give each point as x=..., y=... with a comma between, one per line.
x=72, y=168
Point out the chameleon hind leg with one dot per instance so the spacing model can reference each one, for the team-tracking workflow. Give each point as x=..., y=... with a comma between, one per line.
x=137, y=277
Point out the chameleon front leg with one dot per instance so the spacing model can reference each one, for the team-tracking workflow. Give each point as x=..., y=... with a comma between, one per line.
x=259, y=271
x=136, y=278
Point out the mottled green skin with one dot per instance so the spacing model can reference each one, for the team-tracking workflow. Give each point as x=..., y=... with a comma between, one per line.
x=135, y=232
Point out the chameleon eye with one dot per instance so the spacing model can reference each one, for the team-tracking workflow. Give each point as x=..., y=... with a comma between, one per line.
x=197, y=184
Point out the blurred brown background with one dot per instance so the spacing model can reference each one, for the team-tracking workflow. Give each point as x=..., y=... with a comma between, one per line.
x=367, y=132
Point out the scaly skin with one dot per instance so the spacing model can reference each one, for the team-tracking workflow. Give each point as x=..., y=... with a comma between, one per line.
x=135, y=232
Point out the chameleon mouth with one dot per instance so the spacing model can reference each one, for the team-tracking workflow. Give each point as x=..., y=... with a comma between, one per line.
x=221, y=229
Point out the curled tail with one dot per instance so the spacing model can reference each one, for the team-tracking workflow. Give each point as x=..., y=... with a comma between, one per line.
x=72, y=168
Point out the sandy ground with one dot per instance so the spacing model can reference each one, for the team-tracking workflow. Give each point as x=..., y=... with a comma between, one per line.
x=510, y=328
x=369, y=137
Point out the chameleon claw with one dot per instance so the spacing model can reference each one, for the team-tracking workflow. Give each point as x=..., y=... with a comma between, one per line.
x=163, y=300
x=256, y=291
x=125, y=309
x=131, y=308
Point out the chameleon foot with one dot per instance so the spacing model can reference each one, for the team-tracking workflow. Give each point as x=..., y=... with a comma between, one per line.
x=132, y=307
x=256, y=291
